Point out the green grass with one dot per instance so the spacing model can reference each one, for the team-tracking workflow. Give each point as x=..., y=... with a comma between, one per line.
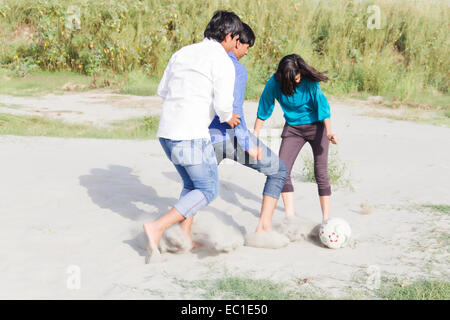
x=138, y=83
x=140, y=128
x=234, y=287
x=338, y=172
x=11, y=106
x=405, y=60
x=241, y=287
x=417, y=290
x=439, y=208
x=42, y=82
x=434, y=117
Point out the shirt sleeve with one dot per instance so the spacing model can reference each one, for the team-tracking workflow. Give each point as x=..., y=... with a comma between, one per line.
x=223, y=86
x=320, y=102
x=241, y=131
x=267, y=100
x=162, y=86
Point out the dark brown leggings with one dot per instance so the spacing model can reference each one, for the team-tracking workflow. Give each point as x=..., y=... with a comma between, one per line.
x=293, y=139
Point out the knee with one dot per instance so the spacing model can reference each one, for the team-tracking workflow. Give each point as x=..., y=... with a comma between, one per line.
x=212, y=192
x=281, y=172
x=321, y=173
x=283, y=169
x=277, y=169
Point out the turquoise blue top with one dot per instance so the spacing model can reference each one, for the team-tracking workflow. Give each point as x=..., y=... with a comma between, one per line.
x=308, y=104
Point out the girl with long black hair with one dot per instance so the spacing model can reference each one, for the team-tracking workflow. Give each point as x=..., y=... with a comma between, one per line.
x=295, y=85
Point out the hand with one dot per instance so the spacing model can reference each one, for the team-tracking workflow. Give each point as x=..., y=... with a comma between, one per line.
x=234, y=121
x=256, y=153
x=256, y=133
x=333, y=138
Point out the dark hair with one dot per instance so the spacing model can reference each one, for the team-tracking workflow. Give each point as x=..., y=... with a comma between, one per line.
x=221, y=24
x=289, y=67
x=247, y=36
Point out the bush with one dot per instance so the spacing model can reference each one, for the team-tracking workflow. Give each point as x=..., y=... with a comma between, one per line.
x=404, y=56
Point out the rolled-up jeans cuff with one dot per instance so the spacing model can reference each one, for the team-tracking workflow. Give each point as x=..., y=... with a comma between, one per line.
x=189, y=204
x=275, y=196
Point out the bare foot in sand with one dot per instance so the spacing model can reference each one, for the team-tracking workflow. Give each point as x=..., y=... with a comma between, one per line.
x=188, y=235
x=186, y=227
x=196, y=245
x=263, y=228
x=154, y=237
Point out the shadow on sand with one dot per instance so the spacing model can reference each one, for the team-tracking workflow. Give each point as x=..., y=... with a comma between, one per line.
x=118, y=189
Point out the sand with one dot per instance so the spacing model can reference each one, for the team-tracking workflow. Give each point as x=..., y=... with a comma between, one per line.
x=95, y=107
x=82, y=203
x=267, y=240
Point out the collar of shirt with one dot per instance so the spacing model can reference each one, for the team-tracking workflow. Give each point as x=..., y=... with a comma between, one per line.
x=232, y=56
x=214, y=42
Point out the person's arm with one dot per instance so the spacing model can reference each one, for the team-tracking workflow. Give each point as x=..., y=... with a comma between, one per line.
x=331, y=136
x=258, y=125
x=241, y=131
x=266, y=105
x=323, y=112
x=223, y=79
x=162, y=86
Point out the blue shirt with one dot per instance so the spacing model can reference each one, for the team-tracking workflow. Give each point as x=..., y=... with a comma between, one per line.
x=308, y=104
x=217, y=129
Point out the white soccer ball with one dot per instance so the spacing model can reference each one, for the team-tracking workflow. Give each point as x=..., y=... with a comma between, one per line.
x=335, y=233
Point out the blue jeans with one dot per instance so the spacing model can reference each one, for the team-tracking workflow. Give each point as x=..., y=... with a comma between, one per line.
x=196, y=163
x=271, y=165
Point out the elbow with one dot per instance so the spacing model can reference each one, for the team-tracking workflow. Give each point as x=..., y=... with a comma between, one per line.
x=262, y=118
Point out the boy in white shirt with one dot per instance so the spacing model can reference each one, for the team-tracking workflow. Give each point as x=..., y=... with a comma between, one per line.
x=197, y=84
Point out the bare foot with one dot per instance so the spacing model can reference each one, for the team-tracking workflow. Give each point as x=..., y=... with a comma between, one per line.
x=263, y=228
x=187, y=234
x=154, y=236
x=196, y=245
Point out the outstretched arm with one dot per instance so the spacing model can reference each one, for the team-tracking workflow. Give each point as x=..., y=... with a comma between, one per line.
x=241, y=130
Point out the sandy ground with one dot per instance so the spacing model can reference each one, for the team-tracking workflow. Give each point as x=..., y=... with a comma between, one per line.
x=97, y=107
x=82, y=202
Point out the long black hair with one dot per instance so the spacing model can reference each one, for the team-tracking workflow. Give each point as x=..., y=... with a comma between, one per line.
x=289, y=67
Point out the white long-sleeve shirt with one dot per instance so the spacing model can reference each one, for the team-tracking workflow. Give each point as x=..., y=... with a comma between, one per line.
x=197, y=84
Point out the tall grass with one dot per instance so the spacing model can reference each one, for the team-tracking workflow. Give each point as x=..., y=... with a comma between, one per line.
x=338, y=172
x=409, y=54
